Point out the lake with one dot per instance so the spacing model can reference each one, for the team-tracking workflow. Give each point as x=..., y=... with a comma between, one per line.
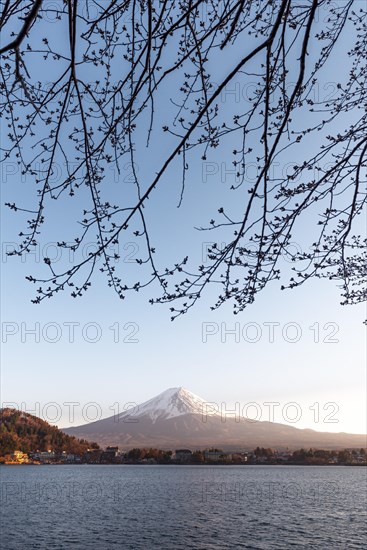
x=182, y=507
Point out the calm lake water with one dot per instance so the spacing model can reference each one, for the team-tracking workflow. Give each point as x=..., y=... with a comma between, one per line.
x=182, y=507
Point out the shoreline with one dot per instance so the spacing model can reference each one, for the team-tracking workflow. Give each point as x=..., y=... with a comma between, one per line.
x=175, y=464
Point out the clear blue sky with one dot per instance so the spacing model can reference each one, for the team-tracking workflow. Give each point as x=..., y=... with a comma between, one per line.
x=330, y=371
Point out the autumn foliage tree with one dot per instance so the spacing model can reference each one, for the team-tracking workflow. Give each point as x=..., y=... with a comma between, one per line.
x=126, y=71
x=27, y=433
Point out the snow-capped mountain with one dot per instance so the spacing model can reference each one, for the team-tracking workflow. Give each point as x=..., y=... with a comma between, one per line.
x=170, y=404
x=178, y=418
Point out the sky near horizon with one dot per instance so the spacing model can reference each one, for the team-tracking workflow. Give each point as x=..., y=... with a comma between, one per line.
x=300, y=350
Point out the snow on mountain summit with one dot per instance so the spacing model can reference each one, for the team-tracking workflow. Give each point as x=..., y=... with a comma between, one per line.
x=170, y=404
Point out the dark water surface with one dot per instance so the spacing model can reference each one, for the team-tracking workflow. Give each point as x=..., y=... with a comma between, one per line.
x=182, y=507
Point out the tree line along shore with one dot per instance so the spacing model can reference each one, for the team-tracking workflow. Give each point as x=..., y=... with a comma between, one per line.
x=260, y=456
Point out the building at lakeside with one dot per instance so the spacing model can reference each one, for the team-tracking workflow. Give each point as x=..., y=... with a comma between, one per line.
x=17, y=457
x=111, y=455
x=182, y=455
x=216, y=455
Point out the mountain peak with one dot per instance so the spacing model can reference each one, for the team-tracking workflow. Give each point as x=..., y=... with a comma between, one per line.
x=171, y=403
x=173, y=420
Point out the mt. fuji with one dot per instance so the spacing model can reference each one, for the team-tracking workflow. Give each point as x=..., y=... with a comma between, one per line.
x=170, y=404
x=178, y=418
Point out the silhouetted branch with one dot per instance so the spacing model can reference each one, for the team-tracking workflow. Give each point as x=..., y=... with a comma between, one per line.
x=110, y=80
